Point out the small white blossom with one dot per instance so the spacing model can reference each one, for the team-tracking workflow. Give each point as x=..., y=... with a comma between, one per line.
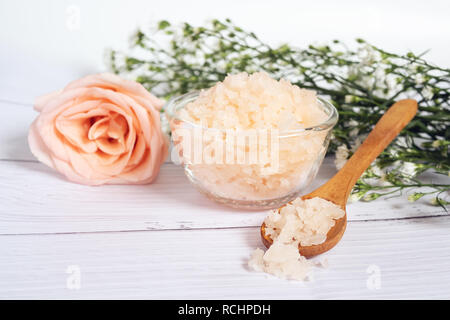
x=383, y=180
x=377, y=171
x=401, y=142
x=354, y=197
x=392, y=84
x=419, y=78
x=353, y=71
x=348, y=99
x=367, y=82
x=408, y=168
x=393, y=152
x=368, y=55
x=341, y=156
x=436, y=144
x=412, y=67
x=355, y=144
x=427, y=93
x=354, y=132
x=353, y=123
x=379, y=74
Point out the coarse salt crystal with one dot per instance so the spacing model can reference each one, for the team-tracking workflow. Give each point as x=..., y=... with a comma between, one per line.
x=304, y=222
x=253, y=102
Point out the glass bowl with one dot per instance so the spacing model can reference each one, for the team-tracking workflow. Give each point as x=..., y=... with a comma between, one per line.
x=253, y=169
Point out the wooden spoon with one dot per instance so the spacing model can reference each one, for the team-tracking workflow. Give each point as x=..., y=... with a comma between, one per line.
x=338, y=188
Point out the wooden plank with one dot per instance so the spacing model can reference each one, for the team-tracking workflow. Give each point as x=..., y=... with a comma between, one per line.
x=412, y=258
x=34, y=199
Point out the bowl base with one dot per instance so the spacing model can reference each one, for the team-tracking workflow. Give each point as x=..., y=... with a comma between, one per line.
x=250, y=204
x=264, y=204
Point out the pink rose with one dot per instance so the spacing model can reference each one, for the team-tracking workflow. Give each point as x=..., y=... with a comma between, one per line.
x=100, y=129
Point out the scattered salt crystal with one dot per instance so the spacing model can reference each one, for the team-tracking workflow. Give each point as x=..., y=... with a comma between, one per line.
x=323, y=263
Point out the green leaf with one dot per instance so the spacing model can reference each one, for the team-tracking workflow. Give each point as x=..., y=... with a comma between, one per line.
x=163, y=24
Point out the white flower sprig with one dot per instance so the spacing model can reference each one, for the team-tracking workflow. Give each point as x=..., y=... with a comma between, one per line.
x=361, y=83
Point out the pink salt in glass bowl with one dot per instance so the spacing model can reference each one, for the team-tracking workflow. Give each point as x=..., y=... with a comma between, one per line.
x=292, y=166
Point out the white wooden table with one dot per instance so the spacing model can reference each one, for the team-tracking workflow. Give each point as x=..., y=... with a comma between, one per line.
x=165, y=240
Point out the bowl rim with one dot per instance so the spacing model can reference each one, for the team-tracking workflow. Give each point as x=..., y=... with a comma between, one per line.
x=175, y=103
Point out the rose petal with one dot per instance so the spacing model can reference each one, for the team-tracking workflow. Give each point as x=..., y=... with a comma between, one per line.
x=83, y=167
x=111, y=146
x=114, y=82
x=145, y=172
x=76, y=131
x=84, y=109
x=138, y=153
x=38, y=147
x=104, y=159
x=113, y=168
x=41, y=102
x=118, y=127
x=69, y=172
x=99, y=128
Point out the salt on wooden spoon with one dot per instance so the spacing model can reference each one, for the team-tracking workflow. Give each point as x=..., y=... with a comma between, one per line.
x=338, y=188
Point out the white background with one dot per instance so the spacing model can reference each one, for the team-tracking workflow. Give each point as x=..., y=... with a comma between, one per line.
x=40, y=51
x=165, y=240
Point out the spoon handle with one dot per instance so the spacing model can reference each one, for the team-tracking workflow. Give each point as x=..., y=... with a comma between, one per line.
x=386, y=129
